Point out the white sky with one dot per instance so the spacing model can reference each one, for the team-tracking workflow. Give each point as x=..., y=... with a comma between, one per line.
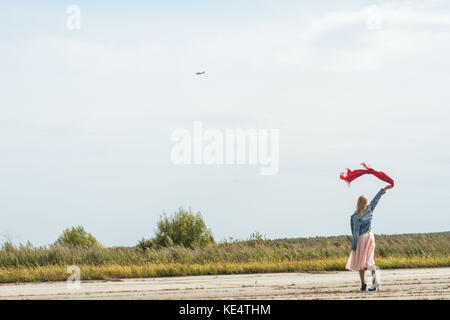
x=86, y=116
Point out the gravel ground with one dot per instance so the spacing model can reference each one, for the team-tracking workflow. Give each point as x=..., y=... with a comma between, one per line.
x=428, y=283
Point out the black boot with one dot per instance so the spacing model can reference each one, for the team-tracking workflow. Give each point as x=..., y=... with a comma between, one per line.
x=363, y=287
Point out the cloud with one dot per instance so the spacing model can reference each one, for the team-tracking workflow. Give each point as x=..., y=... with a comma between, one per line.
x=365, y=39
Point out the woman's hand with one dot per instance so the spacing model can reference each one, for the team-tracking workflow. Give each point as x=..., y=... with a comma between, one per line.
x=388, y=187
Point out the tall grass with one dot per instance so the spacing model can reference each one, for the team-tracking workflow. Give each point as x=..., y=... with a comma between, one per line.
x=28, y=263
x=115, y=271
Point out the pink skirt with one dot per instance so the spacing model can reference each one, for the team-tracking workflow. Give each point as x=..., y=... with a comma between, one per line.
x=362, y=257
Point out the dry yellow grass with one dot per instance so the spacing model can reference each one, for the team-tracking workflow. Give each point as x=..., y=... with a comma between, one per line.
x=116, y=271
x=25, y=263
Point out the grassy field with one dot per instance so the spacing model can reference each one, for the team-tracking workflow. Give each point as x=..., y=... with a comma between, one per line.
x=26, y=263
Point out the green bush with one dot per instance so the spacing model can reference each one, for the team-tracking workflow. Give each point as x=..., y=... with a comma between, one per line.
x=183, y=228
x=145, y=244
x=77, y=237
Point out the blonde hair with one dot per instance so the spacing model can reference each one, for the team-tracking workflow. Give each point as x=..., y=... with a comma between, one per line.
x=361, y=205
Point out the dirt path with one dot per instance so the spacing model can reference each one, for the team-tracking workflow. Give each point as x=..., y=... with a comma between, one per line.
x=396, y=284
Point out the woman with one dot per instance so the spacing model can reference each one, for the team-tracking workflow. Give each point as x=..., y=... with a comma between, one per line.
x=363, y=242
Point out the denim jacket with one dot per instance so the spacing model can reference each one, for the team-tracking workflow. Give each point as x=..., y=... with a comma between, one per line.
x=362, y=224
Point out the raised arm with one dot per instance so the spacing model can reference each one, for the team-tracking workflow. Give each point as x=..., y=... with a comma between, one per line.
x=377, y=197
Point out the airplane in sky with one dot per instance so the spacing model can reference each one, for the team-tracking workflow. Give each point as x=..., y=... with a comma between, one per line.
x=198, y=73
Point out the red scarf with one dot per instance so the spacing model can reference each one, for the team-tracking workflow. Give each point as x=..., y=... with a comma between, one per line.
x=352, y=175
